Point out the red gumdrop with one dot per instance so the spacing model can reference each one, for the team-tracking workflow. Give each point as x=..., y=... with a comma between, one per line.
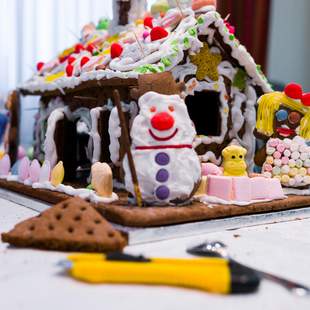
x=306, y=99
x=158, y=33
x=69, y=70
x=71, y=59
x=78, y=48
x=116, y=50
x=162, y=121
x=84, y=60
x=148, y=22
x=293, y=91
x=40, y=65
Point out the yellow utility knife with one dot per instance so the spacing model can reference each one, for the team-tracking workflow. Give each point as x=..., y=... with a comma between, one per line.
x=215, y=275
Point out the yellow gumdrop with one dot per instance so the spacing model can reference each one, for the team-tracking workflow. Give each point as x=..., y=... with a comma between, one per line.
x=57, y=174
x=293, y=172
x=139, y=21
x=285, y=178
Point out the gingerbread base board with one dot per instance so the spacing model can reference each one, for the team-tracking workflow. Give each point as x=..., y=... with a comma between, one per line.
x=131, y=216
x=138, y=235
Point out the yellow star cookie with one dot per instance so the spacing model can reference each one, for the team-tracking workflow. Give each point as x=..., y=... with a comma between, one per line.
x=206, y=63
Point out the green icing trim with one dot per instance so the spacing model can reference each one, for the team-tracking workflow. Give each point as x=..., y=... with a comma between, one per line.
x=186, y=42
x=240, y=79
x=192, y=31
x=166, y=61
x=200, y=20
x=89, y=186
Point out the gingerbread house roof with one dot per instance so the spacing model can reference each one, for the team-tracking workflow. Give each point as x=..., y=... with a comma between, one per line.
x=101, y=57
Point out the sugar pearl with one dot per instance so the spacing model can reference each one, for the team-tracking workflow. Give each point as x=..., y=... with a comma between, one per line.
x=287, y=153
x=302, y=171
x=285, y=178
x=293, y=172
x=278, y=162
x=281, y=147
x=276, y=170
x=270, y=150
x=291, y=163
x=285, y=169
x=285, y=160
x=277, y=154
x=294, y=147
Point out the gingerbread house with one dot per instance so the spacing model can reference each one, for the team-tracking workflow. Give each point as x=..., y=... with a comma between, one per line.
x=77, y=122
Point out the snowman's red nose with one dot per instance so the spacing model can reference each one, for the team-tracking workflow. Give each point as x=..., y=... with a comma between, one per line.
x=162, y=121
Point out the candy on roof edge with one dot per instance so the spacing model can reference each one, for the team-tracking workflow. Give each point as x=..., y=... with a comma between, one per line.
x=160, y=47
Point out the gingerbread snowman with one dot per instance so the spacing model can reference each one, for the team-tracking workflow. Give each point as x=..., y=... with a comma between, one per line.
x=162, y=134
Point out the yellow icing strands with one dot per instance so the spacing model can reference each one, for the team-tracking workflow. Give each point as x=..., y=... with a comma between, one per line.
x=53, y=77
x=269, y=104
x=57, y=174
x=206, y=63
x=113, y=38
x=234, y=163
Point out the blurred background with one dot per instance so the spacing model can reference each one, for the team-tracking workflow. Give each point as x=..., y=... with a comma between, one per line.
x=274, y=31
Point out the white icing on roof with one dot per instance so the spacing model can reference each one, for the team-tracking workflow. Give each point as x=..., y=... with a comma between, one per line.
x=151, y=56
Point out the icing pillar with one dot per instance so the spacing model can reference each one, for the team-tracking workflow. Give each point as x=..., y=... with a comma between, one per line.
x=49, y=143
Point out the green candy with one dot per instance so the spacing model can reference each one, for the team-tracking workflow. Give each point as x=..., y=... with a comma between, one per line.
x=103, y=24
x=240, y=79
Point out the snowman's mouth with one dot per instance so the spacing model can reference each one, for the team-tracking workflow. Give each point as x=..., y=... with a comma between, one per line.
x=163, y=138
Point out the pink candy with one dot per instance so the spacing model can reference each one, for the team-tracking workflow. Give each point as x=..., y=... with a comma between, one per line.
x=281, y=147
x=285, y=160
x=267, y=167
x=273, y=142
x=34, y=171
x=210, y=169
x=23, y=169
x=277, y=155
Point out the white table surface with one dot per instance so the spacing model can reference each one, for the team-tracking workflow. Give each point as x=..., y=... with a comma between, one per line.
x=30, y=279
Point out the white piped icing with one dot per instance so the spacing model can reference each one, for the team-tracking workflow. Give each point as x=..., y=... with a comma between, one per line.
x=49, y=143
x=95, y=114
x=80, y=192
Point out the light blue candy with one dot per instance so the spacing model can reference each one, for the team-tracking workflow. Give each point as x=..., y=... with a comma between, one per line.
x=281, y=115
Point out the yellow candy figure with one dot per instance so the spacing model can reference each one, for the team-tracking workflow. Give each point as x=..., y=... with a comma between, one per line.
x=57, y=174
x=234, y=163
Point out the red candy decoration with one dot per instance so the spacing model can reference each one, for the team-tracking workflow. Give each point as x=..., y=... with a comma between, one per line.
x=305, y=99
x=90, y=47
x=158, y=33
x=40, y=65
x=148, y=22
x=293, y=91
x=162, y=121
x=69, y=70
x=71, y=59
x=78, y=48
x=116, y=50
x=84, y=60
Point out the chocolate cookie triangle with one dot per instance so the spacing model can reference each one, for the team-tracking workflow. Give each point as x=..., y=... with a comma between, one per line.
x=71, y=225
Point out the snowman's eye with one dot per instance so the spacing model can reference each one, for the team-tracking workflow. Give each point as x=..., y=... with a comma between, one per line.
x=171, y=108
x=153, y=109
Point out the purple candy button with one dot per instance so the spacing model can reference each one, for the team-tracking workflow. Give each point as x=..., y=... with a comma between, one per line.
x=162, y=192
x=162, y=175
x=162, y=159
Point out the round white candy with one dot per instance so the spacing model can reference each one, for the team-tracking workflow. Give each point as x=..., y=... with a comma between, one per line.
x=298, y=179
x=287, y=153
x=299, y=140
x=276, y=170
x=287, y=142
x=285, y=169
x=267, y=174
x=307, y=163
x=294, y=147
x=307, y=179
x=292, y=163
x=303, y=148
x=299, y=163
x=303, y=156
x=277, y=162
x=291, y=182
x=270, y=150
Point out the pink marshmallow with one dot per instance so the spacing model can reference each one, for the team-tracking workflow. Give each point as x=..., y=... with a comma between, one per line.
x=210, y=169
x=220, y=186
x=275, y=190
x=259, y=188
x=267, y=167
x=242, y=188
x=273, y=142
